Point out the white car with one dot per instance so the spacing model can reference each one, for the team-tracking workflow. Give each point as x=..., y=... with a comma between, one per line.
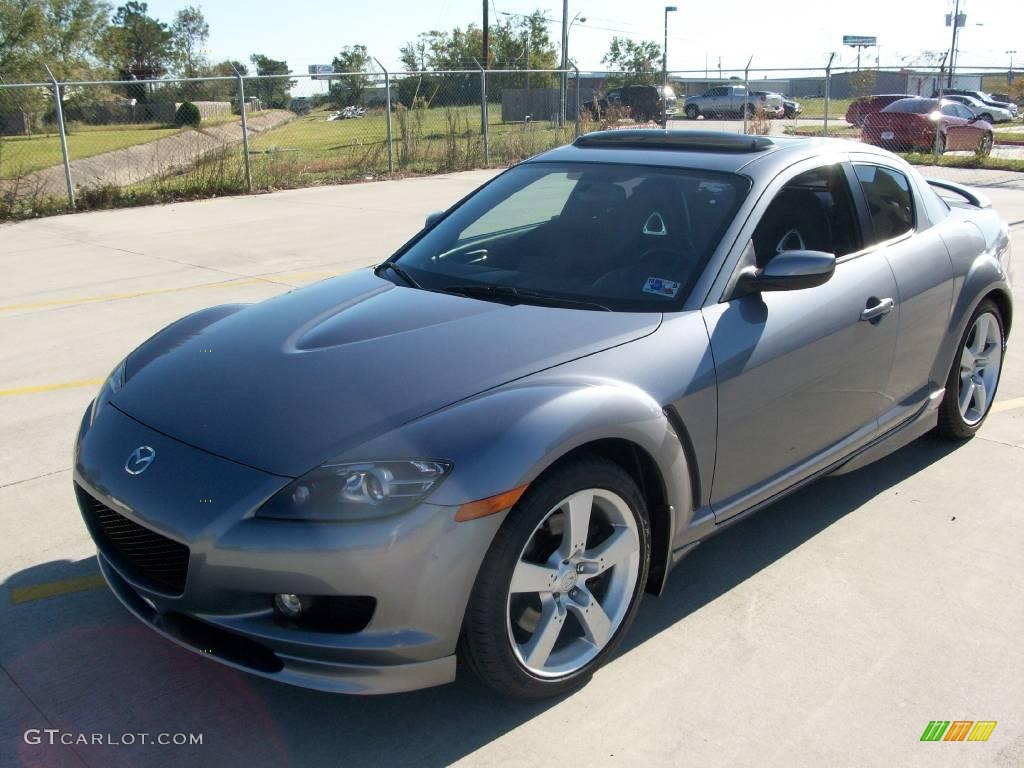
x=987, y=112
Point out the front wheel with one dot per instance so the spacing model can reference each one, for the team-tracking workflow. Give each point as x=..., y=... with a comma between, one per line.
x=560, y=583
x=971, y=385
x=985, y=145
x=692, y=112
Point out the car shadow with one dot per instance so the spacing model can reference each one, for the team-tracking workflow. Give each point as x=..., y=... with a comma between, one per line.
x=87, y=666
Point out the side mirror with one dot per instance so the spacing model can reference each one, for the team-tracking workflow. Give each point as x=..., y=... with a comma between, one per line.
x=789, y=271
x=433, y=218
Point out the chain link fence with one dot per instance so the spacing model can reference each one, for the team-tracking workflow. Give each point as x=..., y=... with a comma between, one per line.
x=84, y=145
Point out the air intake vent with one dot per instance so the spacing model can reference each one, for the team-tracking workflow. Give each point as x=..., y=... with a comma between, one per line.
x=142, y=555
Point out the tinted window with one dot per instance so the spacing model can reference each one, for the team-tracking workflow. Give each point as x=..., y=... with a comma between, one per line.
x=627, y=237
x=916, y=106
x=812, y=212
x=889, y=201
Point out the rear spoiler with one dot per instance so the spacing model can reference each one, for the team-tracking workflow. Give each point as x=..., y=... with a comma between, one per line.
x=973, y=197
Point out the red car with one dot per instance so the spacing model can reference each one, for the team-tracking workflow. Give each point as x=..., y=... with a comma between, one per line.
x=867, y=105
x=911, y=125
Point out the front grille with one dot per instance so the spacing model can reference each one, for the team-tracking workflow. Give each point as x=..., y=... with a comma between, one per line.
x=144, y=556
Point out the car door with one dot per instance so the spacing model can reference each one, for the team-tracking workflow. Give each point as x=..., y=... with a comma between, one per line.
x=801, y=374
x=898, y=227
x=958, y=133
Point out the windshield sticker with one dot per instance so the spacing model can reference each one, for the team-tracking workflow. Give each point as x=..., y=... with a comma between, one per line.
x=661, y=287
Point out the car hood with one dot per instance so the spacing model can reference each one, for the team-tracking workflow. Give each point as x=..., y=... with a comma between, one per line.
x=288, y=383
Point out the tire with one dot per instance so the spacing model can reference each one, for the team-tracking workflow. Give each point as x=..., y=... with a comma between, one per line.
x=956, y=421
x=749, y=110
x=987, y=118
x=501, y=634
x=985, y=145
x=940, y=143
x=692, y=112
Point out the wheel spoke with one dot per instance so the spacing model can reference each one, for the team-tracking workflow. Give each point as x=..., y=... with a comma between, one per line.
x=980, y=397
x=577, y=523
x=980, y=335
x=967, y=360
x=595, y=622
x=538, y=647
x=530, y=577
x=966, y=396
x=609, y=552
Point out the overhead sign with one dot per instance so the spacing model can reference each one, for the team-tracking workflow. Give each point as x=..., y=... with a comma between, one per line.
x=320, y=71
x=863, y=41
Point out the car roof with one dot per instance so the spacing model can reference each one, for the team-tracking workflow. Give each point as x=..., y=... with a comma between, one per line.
x=697, y=150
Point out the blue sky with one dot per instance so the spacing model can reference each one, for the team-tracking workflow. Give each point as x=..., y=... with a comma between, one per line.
x=784, y=33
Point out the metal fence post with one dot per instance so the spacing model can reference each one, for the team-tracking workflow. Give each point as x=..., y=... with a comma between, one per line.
x=245, y=130
x=578, y=105
x=387, y=99
x=63, y=139
x=828, y=88
x=483, y=113
x=936, y=149
x=746, y=95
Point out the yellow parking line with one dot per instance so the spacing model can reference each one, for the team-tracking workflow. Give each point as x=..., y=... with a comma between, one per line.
x=50, y=387
x=70, y=302
x=55, y=588
x=1008, y=405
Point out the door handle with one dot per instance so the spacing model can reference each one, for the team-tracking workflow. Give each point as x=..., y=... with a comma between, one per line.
x=876, y=308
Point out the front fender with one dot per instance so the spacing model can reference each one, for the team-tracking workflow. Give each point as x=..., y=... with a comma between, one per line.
x=505, y=438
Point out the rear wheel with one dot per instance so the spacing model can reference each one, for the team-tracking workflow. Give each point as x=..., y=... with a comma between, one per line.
x=749, y=110
x=692, y=112
x=974, y=376
x=560, y=583
x=986, y=117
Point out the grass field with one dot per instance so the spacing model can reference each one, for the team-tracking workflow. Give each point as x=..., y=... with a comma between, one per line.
x=815, y=108
x=24, y=154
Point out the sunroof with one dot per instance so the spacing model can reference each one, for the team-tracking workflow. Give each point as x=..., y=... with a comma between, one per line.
x=694, y=141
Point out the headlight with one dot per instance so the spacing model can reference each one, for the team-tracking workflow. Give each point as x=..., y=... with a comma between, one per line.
x=110, y=388
x=357, y=491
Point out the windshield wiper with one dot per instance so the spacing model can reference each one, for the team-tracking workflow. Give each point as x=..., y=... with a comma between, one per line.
x=513, y=295
x=398, y=271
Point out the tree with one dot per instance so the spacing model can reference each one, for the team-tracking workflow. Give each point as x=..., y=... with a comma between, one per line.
x=137, y=46
x=437, y=50
x=346, y=91
x=21, y=32
x=189, y=33
x=221, y=90
x=71, y=34
x=272, y=91
x=638, y=61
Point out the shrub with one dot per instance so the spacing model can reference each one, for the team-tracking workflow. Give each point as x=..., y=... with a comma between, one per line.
x=187, y=114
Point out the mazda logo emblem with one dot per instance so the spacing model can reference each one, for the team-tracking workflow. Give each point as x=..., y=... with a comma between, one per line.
x=139, y=460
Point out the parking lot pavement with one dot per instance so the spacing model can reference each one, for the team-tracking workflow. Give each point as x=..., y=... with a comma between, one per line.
x=828, y=630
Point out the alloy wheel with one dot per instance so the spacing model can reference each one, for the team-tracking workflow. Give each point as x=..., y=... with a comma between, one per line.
x=980, y=363
x=573, y=583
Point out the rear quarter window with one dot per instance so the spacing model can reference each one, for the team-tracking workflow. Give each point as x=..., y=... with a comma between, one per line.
x=890, y=201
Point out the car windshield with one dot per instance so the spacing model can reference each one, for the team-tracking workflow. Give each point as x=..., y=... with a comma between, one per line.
x=916, y=106
x=620, y=237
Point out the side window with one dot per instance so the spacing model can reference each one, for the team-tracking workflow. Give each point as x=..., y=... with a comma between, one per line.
x=813, y=212
x=889, y=200
x=964, y=112
x=950, y=110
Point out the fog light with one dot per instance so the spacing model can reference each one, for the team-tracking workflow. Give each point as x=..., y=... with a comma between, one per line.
x=291, y=606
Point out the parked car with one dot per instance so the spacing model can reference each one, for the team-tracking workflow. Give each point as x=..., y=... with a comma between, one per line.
x=986, y=112
x=860, y=108
x=732, y=100
x=641, y=102
x=926, y=125
x=985, y=98
x=790, y=107
x=492, y=444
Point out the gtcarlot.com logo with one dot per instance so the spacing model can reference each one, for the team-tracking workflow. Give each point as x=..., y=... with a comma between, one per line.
x=958, y=730
x=55, y=736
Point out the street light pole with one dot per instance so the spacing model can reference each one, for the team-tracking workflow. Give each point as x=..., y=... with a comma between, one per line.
x=664, y=50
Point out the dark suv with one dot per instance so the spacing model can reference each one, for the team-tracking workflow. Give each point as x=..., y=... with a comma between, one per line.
x=643, y=102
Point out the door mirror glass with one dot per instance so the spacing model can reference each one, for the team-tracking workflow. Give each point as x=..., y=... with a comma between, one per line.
x=789, y=271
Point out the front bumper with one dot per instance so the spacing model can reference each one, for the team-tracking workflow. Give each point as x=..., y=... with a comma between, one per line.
x=418, y=567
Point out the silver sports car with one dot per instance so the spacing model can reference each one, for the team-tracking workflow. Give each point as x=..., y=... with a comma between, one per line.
x=491, y=445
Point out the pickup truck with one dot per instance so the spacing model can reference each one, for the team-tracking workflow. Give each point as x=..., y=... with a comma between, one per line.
x=731, y=100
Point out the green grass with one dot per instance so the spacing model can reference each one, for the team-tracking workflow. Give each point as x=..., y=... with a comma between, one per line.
x=24, y=154
x=966, y=161
x=814, y=108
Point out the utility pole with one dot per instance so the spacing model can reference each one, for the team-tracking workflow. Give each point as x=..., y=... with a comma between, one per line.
x=1009, y=75
x=486, y=51
x=952, y=47
x=565, y=61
